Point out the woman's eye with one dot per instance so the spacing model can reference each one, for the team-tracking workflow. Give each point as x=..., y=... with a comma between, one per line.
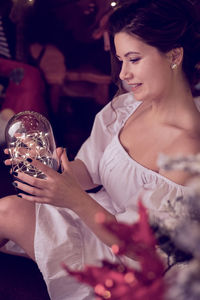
x=134, y=60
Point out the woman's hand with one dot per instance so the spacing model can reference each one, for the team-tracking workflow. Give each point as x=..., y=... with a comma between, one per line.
x=56, y=189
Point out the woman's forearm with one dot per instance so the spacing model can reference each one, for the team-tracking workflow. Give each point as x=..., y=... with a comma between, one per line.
x=94, y=215
x=82, y=175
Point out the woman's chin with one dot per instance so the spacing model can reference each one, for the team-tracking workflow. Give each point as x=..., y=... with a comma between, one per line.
x=137, y=97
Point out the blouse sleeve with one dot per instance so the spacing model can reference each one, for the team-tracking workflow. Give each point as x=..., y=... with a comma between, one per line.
x=92, y=149
x=106, y=124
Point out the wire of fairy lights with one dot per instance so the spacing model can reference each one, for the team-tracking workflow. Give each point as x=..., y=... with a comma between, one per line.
x=32, y=145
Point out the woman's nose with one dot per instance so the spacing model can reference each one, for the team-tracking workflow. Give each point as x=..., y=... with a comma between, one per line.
x=125, y=73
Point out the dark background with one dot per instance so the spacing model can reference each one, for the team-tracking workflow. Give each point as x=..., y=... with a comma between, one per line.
x=69, y=25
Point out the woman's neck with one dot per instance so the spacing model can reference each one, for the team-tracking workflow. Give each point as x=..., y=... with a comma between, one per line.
x=176, y=108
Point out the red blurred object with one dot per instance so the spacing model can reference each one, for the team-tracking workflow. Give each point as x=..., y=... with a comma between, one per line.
x=116, y=281
x=26, y=89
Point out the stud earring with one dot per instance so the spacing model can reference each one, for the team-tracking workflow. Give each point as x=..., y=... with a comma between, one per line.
x=174, y=66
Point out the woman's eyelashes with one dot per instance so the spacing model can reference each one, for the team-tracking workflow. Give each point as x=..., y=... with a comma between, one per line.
x=134, y=60
x=128, y=59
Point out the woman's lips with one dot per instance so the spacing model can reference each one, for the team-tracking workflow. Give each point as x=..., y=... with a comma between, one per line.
x=135, y=86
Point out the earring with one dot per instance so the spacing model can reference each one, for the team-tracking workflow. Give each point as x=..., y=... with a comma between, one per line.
x=174, y=66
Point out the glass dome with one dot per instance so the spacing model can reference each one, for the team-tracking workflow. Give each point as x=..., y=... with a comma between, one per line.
x=28, y=134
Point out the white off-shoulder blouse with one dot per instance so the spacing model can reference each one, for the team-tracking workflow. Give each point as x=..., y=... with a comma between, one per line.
x=61, y=236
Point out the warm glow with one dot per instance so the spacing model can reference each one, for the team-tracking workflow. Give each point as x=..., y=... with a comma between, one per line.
x=115, y=249
x=30, y=2
x=113, y=3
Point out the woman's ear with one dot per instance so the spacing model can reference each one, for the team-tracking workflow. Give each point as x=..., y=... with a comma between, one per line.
x=175, y=56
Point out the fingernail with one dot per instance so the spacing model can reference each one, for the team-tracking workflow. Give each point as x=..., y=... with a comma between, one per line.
x=14, y=184
x=19, y=196
x=29, y=160
x=15, y=173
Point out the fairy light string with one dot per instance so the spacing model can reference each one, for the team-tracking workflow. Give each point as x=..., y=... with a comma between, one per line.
x=30, y=145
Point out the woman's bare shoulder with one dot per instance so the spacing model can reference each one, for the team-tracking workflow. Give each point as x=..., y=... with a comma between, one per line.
x=186, y=144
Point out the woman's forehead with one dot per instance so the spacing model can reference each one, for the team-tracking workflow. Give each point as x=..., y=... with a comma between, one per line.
x=127, y=44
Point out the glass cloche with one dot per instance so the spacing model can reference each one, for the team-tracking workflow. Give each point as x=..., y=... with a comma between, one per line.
x=29, y=135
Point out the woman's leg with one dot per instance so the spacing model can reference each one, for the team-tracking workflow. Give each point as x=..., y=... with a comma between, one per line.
x=17, y=223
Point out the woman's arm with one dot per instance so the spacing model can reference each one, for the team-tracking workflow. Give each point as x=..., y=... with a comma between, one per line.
x=81, y=173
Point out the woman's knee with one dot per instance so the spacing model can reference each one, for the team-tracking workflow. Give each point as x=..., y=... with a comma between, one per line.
x=17, y=217
x=11, y=207
x=8, y=206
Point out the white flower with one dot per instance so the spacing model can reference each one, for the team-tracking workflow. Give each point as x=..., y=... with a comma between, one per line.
x=190, y=163
x=185, y=284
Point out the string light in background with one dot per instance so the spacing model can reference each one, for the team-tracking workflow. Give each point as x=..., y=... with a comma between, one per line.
x=31, y=1
x=113, y=3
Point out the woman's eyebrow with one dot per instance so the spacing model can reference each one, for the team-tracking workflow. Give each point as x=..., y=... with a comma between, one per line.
x=128, y=53
x=131, y=53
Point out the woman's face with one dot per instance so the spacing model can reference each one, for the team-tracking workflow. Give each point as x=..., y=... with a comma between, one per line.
x=146, y=70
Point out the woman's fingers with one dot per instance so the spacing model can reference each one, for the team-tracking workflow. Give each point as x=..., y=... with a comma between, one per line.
x=48, y=171
x=6, y=151
x=33, y=185
x=8, y=162
x=13, y=158
x=35, y=182
x=28, y=189
x=31, y=198
x=64, y=161
x=59, y=152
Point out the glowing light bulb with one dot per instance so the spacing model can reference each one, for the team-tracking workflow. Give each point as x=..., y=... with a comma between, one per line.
x=113, y=3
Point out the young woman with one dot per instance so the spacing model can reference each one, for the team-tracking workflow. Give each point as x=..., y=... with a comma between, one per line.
x=157, y=43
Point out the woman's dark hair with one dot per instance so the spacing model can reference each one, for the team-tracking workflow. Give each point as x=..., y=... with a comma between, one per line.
x=164, y=24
